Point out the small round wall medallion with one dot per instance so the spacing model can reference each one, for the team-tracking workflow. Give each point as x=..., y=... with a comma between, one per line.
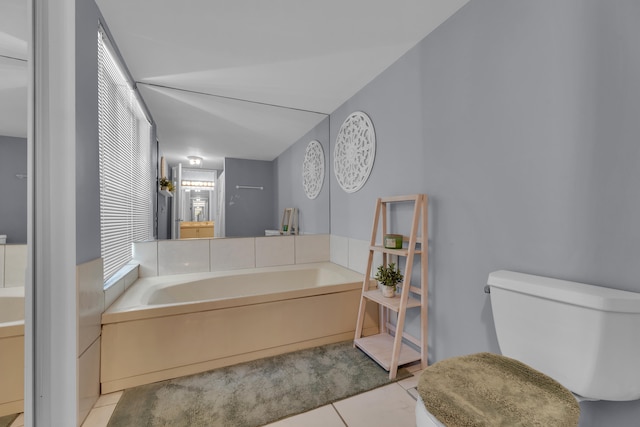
x=354, y=152
x=313, y=169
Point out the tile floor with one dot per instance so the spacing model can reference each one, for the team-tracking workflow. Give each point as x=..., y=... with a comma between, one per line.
x=19, y=422
x=391, y=405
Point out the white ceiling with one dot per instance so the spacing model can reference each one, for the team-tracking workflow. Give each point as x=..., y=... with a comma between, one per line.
x=247, y=78
x=244, y=78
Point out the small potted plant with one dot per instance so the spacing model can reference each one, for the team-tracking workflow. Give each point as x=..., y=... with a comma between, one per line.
x=389, y=277
x=165, y=184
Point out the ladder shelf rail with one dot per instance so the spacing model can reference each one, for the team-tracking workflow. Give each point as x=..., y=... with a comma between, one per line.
x=387, y=348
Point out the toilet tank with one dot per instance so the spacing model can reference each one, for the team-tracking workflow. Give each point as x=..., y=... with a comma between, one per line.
x=586, y=337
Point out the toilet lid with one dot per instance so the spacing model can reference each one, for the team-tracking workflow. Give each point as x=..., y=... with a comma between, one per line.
x=490, y=389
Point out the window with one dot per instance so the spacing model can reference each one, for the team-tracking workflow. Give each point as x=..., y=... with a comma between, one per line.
x=124, y=133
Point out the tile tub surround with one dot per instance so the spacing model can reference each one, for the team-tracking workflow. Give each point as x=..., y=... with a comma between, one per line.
x=352, y=253
x=276, y=250
x=120, y=283
x=2, y=265
x=14, y=265
x=232, y=254
x=143, y=343
x=312, y=248
x=183, y=256
x=90, y=305
x=12, y=350
x=168, y=257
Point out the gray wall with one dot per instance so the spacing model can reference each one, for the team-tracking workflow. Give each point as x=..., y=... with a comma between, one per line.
x=520, y=120
x=164, y=217
x=13, y=191
x=88, y=246
x=313, y=214
x=249, y=212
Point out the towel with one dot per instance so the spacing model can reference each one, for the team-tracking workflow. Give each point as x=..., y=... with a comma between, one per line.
x=486, y=389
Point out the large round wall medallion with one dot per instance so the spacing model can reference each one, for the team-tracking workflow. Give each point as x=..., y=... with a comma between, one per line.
x=313, y=169
x=354, y=152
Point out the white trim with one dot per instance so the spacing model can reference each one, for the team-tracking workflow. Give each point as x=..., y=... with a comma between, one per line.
x=51, y=398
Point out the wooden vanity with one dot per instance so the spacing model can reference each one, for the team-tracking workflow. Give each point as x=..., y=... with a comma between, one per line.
x=196, y=229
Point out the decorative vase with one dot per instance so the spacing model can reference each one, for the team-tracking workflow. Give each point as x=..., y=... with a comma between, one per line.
x=388, y=291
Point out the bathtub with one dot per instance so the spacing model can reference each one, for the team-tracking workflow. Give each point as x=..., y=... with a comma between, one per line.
x=11, y=350
x=170, y=326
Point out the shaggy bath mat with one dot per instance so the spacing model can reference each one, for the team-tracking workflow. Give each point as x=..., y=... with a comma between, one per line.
x=7, y=420
x=253, y=393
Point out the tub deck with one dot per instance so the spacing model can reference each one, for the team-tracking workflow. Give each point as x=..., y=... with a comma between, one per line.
x=158, y=330
x=12, y=350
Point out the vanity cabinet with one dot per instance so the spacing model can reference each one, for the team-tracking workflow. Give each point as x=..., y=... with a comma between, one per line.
x=196, y=229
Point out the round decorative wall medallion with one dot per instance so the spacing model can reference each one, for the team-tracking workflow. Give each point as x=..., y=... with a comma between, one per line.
x=313, y=169
x=355, y=152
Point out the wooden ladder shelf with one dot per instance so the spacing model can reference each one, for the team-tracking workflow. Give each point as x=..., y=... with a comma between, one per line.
x=387, y=347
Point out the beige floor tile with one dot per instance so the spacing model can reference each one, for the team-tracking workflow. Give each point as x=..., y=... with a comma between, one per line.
x=99, y=417
x=410, y=382
x=325, y=416
x=108, y=399
x=18, y=422
x=413, y=392
x=386, y=406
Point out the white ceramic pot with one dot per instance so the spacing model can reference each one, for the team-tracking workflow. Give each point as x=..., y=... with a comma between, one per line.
x=388, y=291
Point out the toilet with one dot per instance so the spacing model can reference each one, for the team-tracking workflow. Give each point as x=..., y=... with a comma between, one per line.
x=585, y=337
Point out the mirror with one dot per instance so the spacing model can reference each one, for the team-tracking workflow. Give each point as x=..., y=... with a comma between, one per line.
x=249, y=196
x=13, y=121
x=13, y=201
x=283, y=190
x=247, y=110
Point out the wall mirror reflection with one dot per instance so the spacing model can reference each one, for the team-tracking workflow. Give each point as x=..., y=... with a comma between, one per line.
x=13, y=203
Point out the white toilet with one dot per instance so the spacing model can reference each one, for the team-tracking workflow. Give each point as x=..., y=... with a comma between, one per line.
x=585, y=337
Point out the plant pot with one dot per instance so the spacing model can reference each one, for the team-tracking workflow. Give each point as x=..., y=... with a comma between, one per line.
x=388, y=291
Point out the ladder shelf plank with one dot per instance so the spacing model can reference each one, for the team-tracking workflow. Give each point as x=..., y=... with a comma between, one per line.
x=391, y=303
x=387, y=348
x=408, y=198
x=380, y=348
x=400, y=252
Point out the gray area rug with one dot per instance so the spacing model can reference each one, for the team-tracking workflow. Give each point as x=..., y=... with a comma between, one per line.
x=7, y=420
x=253, y=393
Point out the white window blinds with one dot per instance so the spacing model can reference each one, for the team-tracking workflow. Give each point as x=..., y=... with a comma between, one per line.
x=124, y=133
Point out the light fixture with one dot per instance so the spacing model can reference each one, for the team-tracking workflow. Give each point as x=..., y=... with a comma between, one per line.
x=198, y=184
x=194, y=160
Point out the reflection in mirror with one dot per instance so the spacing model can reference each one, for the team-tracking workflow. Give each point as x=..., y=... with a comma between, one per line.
x=13, y=203
x=194, y=203
x=198, y=206
x=245, y=197
x=238, y=113
x=13, y=122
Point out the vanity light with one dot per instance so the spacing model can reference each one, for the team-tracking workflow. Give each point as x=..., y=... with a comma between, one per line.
x=194, y=160
x=198, y=184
